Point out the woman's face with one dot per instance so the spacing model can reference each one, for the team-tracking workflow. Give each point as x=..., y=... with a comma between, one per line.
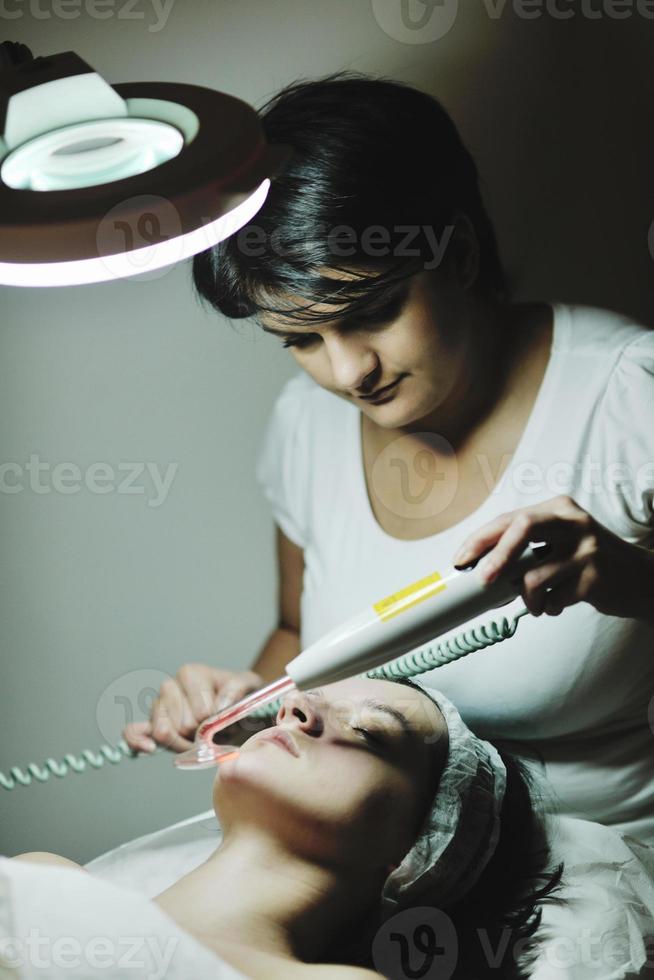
x=419, y=339
x=346, y=774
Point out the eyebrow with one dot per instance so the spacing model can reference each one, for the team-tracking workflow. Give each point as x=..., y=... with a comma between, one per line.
x=389, y=710
x=397, y=299
x=376, y=705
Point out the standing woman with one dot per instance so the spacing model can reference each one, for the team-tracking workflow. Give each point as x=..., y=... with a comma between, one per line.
x=373, y=259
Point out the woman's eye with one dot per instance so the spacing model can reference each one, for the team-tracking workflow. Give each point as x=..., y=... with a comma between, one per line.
x=374, y=322
x=377, y=320
x=375, y=739
x=380, y=318
x=298, y=341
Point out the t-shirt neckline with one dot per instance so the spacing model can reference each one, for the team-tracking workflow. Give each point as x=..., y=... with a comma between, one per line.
x=527, y=439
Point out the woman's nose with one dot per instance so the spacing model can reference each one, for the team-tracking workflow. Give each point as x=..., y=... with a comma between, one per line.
x=351, y=362
x=298, y=710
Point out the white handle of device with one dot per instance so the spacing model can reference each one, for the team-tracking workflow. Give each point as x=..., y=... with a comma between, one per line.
x=404, y=620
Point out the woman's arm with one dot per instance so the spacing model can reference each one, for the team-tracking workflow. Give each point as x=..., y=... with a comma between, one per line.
x=284, y=642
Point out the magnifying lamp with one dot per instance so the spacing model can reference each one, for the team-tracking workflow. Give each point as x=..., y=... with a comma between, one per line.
x=100, y=181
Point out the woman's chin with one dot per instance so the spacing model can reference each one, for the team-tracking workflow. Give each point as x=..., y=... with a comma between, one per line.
x=394, y=414
x=254, y=768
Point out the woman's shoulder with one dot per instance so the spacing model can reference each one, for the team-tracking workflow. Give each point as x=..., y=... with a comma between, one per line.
x=609, y=379
x=586, y=329
x=620, y=348
x=45, y=857
x=47, y=893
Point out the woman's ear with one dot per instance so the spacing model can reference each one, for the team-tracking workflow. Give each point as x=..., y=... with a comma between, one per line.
x=465, y=250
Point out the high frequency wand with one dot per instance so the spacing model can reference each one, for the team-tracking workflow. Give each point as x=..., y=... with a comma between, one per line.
x=366, y=643
x=373, y=637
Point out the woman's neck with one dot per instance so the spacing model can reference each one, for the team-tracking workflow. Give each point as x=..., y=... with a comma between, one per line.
x=253, y=893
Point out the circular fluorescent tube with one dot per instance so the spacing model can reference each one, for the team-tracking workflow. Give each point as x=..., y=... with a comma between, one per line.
x=90, y=153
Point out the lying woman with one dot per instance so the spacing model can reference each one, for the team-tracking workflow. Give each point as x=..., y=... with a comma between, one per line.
x=365, y=800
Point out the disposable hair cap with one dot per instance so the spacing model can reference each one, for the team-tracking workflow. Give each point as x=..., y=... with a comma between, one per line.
x=462, y=828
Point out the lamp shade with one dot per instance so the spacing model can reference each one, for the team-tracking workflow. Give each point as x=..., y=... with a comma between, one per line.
x=99, y=182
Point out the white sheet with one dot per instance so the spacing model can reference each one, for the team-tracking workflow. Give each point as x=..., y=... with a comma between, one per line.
x=153, y=862
x=59, y=922
x=601, y=935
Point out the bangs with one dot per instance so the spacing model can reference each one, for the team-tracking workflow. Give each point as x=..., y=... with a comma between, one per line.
x=363, y=295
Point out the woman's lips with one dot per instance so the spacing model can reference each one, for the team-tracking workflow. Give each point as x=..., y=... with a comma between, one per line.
x=280, y=737
x=383, y=392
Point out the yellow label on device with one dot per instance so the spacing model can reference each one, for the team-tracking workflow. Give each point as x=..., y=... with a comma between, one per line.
x=400, y=601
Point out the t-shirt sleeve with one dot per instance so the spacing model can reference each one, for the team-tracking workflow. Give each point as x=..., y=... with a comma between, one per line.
x=628, y=424
x=282, y=463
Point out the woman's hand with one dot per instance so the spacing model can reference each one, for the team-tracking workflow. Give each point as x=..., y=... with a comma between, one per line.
x=197, y=692
x=588, y=563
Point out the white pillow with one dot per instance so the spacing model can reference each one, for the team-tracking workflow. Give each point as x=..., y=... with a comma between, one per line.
x=609, y=880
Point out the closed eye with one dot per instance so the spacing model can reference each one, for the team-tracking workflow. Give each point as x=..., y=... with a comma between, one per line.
x=368, y=735
x=299, y=340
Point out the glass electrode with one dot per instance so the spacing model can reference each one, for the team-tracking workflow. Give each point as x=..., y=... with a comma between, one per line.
x=206, y=753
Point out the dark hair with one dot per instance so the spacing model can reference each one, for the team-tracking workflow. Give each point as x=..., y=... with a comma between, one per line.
x=507, y=900
x=499, y=917
x=367, y=152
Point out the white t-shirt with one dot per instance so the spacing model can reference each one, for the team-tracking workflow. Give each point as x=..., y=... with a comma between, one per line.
x=575, y=687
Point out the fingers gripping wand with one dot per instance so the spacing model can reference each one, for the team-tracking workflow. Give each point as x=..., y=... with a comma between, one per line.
x=371, y=638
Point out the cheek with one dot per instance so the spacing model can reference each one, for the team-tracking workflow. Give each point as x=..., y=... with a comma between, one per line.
x=372, y=797
x=340, y=788
x=416, y=347
x=391, y=803
x=328, y=782
x=433, y=342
